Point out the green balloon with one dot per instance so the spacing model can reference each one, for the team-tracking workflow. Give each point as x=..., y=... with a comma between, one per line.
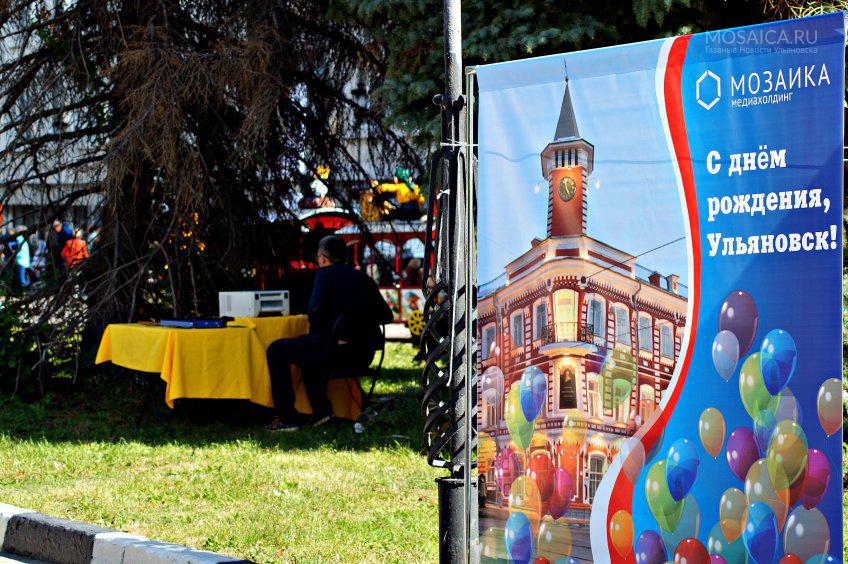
x=665, y=509
x=752, y=389
x=731, y=551
x=618, y=378
x=519, y=428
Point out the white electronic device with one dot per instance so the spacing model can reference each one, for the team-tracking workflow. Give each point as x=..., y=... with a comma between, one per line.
x=253, y=303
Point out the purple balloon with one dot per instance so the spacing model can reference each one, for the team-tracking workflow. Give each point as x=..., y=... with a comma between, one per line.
x=507, y=469
x=725, y=354
x=716, y=559
x=739, y=316
x=741, y=451
x=563, y=490
x=818, y=478
x=650, y=549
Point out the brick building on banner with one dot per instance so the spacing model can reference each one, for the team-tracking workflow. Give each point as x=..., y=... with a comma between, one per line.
x=598, y=325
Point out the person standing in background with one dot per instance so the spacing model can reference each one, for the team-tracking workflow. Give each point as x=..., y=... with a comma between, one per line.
x=22, y=257
x=59, y=236
x=76, y=251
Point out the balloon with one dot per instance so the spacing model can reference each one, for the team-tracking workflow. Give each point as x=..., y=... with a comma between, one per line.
x=554, y=540
x=618, y=377
x=574, y=427
x=507, y=468
x=790, y=559
x=829, y=404
x=716, y=559
x=755, y=396
x=520, y=429
x=655, y=448
x=822, y=559
x=691, y=551
x=681, y=468
x=741, y=451
x=621, y=532
x=665, y=509
x=632, y=455
x=758, y=487
x=541, y=560
x=783, y=407
x=711, y=429
x=807, y=533
x=650, y=549
x=761, y=533
x=518, y=538
x=725, y=354
x=730, y=551
x=541, y=470
x=787, y=454
x=524, y=498
x=739, y=316
x=490, y=382
x=778, y=356
x=492, y=546
x=818, y=478
x=733, y=513
x=562, y=493
x=533, y=390
x=688, y=526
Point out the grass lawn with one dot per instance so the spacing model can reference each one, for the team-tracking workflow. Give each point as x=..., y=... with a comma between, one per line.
x=208, y=476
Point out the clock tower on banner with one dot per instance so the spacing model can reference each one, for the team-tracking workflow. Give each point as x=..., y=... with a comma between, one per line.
x=567, y=163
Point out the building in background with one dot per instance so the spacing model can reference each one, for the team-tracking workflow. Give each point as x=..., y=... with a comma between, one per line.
x=605, y=331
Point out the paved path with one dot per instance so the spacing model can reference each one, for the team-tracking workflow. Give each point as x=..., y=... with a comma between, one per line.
x=5, y=558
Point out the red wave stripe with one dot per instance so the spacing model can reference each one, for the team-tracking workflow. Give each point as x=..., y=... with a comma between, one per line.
x=622, y=492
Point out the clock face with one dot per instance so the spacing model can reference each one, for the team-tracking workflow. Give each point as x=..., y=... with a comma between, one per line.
x=567, y=188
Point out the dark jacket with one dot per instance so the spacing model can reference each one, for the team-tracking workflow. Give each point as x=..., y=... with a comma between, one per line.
x=56, y=241
x=340, y=290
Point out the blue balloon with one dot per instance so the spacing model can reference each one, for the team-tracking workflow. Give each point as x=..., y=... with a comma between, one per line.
x=822, y=559
x=518, y=537
x=532, y=391
x=778, y=356
x=650, y=549
x=761, y=533
x=681, y=468
x=725, y=354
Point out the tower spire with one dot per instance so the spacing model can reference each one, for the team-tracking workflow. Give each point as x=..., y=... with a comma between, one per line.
x=567, y=124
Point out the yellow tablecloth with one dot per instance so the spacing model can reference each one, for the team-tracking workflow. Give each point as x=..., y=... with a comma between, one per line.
x=225, y=363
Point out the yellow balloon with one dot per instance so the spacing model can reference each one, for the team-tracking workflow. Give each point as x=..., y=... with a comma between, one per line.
x=787, y=454
x=574, y=426
x=621, y=532
x=752, y=389
x=758, y=487
x=554, y=541
x=492, y=546
x=733, y=513
x=711, y=429
x=524, y=498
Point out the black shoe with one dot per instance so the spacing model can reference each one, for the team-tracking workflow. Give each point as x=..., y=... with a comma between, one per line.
x=280, y=426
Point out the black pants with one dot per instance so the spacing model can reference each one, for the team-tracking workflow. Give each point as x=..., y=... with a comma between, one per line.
x=312, y=354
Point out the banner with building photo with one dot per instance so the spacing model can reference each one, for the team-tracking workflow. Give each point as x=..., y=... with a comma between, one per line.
x=660, y=251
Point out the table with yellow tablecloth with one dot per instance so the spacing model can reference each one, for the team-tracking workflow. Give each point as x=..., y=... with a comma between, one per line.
x=227, y=363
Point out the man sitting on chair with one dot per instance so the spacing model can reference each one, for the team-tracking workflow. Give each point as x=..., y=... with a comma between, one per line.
x=345, y=313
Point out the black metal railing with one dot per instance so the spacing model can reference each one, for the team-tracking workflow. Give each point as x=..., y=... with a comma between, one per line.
x=568, y=331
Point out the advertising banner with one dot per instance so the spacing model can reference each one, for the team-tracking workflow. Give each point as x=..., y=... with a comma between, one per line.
x=659, y=311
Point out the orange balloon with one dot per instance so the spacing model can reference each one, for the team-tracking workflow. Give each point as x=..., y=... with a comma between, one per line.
x=524, y=498
x=621, y=532
x=758, y=487
x=790, y=559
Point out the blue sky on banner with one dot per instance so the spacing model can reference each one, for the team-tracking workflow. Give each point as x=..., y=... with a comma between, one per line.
x=633, y=199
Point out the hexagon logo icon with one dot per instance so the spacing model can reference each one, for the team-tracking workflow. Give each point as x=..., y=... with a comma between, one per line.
x=708, y=90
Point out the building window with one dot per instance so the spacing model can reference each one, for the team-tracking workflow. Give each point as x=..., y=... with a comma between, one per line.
x=666, y=341
x=565, y=315
x=647, y=404
x=593, y=475
x=622, y=326
x=567, y=391
x=593, y=396
x=595, y=318
x=491, y=419
x=540, y=319
x=646, y=331
x=517, y=329
x=488, y=341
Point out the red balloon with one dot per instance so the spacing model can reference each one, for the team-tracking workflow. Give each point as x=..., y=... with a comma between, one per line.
x=557, y=505
x=541, y=469
x=691, y=551
x=541, y=560
x=790, y=559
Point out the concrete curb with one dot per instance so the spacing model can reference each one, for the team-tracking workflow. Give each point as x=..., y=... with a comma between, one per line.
x=27, y=533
